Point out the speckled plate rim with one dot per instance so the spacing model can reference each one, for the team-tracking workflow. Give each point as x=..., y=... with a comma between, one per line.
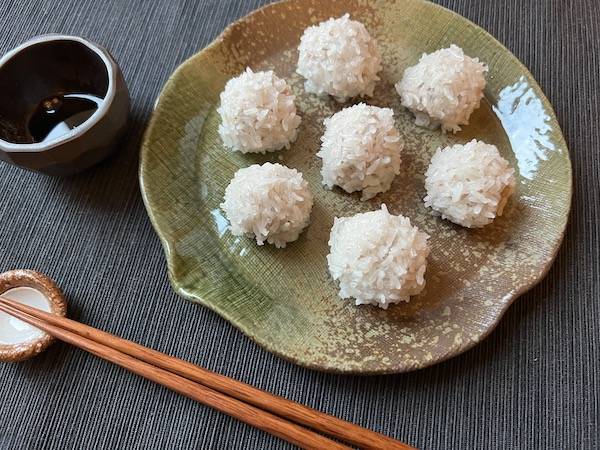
x=452, y=352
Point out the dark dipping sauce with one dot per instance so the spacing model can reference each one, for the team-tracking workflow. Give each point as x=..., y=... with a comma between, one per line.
x=59, y=114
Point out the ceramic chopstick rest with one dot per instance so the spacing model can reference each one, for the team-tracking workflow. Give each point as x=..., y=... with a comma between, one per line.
x=19, y=340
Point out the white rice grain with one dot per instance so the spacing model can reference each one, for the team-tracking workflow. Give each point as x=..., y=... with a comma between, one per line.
x=377, y=258
x=469, y=184
x=338, y=57
x=258, y=113
x=271, y=203
x=361, y=150
x=444, y=88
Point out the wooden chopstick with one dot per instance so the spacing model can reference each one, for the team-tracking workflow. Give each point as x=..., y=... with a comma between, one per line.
x=249, y=414
x=279, y=406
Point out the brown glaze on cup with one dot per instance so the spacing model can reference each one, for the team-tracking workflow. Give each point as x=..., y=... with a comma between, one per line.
x=56, y=299
x=53, y=65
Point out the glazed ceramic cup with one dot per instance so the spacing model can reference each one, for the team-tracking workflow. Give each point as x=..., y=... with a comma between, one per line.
x=51, y=65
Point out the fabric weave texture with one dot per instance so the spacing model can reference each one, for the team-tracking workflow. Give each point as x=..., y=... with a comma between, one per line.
x=533, y=383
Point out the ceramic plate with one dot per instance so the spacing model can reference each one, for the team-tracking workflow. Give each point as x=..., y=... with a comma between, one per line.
x=284, y=299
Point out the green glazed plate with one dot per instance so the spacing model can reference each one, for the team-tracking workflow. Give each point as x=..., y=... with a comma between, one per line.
x=283, y=298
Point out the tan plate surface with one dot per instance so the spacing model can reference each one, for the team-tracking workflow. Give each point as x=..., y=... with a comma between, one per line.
x=284, y=299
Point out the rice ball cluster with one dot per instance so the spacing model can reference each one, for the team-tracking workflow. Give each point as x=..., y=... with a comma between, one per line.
x=377, y=258
x=338, y=57
x=469, y=184
x=258, y=113
x=361, y=150
x=270, y=202
x=444, y=88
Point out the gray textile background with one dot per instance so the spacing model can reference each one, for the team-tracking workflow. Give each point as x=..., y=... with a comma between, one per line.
x=534, y=383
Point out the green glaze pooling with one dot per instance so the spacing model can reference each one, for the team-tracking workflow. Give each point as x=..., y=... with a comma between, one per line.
x=283, y=298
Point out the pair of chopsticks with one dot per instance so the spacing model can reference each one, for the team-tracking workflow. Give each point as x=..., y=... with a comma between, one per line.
x=276, y=415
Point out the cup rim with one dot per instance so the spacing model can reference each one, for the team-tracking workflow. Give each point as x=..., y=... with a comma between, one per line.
x=76, y=132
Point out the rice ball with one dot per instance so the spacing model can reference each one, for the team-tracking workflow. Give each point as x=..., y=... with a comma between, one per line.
x=378, y=258
x=444, y=88
x=258, y=113
x=469, y=184
x=360, y=150
x=338, y=57
x=270, y=202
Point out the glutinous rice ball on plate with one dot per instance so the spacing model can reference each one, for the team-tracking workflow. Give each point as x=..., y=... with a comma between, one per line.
x=361, y=150
x=338, y=57
x=469, y=184
x=377, y=258
x=269, y=202
x=258, y=113
x=444, y=88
